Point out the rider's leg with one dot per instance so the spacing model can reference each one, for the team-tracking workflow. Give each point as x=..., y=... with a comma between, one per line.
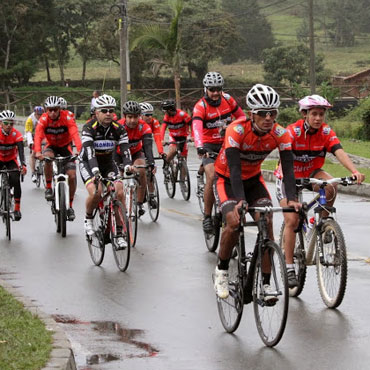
x=330, y=190
x=209, y=197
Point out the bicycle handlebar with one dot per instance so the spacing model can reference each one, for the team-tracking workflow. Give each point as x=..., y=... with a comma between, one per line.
x=348, y=180
x=177, y=142
x=61, y=159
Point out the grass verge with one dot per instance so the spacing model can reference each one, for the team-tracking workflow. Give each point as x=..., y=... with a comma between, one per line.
x=24, y=341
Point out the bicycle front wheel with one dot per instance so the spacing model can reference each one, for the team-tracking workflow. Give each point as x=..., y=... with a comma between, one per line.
x=120, y=229
x=200, y=192
x=131, y=202
x=184, y=180
x=170, y=180
x=62, y=213
x=331, y=264
x=271, y=304
x=38, y=173
x=213, y=237
x=299, y=260
x=7, y=218
x=230, y=309
x=95, y=242
x=154, y=212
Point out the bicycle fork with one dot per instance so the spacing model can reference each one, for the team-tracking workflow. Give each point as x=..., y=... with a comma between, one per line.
x=58, y=179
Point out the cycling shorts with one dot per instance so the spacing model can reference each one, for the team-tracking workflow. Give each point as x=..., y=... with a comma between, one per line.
x=105, y=167
x=211, y=148
x=63, y=151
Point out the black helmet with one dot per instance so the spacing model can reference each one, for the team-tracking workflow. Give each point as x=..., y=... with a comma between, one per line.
x=131, y=107
x=168, y=105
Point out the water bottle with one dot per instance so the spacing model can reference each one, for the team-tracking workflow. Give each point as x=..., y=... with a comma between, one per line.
x=322, y=199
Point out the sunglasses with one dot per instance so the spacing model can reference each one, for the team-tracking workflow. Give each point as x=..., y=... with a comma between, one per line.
x=147, y=114
x=214, y=89
x=56, y=109
x=264, y=113
x=106, y=110
x=7, y=123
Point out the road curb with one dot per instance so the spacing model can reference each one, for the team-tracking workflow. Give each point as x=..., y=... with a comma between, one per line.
x=61, y=355
x=362, y=190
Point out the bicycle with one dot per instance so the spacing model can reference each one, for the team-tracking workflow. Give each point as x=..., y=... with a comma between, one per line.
x=6, y=200
x=110, y=223
x=59, y=202
x=39, y=171
x=321, y=244
x=246, y=281
x=177, y=171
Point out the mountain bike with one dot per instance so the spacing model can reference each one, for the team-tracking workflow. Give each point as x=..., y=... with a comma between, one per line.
x=247, y=281
x=6, y=200
x=110, y=223
x=321, y=244
x=60, y=200
x=177, y=171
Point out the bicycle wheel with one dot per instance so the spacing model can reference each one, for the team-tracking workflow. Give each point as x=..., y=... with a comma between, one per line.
x=200, y=192
x=119, y=218
x=38, y=173
x=271, y=316
x=131, y=201
x=184, y=180
x=331, y=266
x=95, y=242
x=299, y=259
x=230, y=309
x=154, y=212
x=170, y=180
x=7, y=205
x=62, y=213
x=212, y=238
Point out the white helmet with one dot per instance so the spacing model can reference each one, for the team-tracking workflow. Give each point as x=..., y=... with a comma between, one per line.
x=104, y=101
x=213, y=79
x=52, y=102
x=262, y=97
x=63, y=103
x=7, y=115
x=313, y=101
x=146, y=108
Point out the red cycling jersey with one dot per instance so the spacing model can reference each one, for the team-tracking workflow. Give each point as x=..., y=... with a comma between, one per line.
x=58, y=133
x=209, y=122
x=178, y=125
x=309, y=149
x=8, y=145
x=253, y=148
x=156, y=130
x=135, y=135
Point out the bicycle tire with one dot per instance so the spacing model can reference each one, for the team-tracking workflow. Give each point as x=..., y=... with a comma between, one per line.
x=184, y=180
x=7, y=213
x=212, y=238
x=96, y=242
x=62, y=213
x=299, y=260
x=131, y=200
x=154, y=212
x=170, y=181
x=271, y=318
x=332, y=267
x=121, y=255
x=38, y=174
x=200, y=194
x=230, y=310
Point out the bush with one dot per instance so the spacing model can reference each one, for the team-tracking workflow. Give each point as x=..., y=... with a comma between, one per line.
x=345, y=128
x=288, y=116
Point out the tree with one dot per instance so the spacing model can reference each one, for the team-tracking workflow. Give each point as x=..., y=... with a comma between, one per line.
x=290, y=65
x=253, y=29
x=166, y=42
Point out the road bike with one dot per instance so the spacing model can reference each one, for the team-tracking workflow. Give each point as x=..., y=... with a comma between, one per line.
x=322, y=244
x=110, y=222
x=247, y=281
x=7, y=200
x=177, y=172
x=60, y=200
x=39, y=172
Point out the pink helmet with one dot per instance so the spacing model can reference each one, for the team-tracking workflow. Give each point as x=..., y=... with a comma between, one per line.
x=313, y=101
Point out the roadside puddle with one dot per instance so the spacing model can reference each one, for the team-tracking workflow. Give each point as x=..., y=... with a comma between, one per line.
x=99, y=342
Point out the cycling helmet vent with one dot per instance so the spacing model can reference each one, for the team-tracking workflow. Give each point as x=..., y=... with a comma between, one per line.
x=262, y=97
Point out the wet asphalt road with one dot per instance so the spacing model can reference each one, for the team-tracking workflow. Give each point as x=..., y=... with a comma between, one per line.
x=161, y=313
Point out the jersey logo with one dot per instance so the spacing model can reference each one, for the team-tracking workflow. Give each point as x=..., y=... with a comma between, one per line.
x=233, y=143
x=104, y=144
x=284, y=146
x=326, y=130
x=297, y=131
x=279, y=131
x=239, y=129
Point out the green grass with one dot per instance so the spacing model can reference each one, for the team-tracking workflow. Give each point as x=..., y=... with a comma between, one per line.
x=24, y=341
x=356, y=147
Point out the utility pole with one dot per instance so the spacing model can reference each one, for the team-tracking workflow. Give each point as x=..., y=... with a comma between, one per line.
x=312, y=47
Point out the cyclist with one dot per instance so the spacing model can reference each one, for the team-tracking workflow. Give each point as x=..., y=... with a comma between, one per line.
x=29, y=129
x=64, y=105
x=100, y=137
x=59, y=130
x=211, y=115
x=147, y=116
x=311, y=140
x=140, y=141
x=238, y=173
x=11, y=144
x=178, y=123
